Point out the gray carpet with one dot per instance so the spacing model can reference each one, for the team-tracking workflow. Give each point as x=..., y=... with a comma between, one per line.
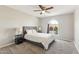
x=58, y=47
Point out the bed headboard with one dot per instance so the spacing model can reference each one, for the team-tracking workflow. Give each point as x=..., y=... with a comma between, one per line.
x=28, y=28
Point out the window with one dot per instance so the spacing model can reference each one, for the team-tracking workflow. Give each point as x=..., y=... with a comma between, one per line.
x=53, y=26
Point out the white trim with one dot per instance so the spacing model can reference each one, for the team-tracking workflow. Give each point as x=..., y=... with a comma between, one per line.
x=6, y=45
x=76, y=45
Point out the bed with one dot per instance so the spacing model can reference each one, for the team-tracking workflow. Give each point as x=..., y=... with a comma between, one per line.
x=42, y=38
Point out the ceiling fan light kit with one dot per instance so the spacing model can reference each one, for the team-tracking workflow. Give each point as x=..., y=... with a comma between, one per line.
x=43, y=12
x=44, y=9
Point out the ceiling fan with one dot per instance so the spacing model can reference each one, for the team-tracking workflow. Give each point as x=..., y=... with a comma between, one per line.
x=43, y=9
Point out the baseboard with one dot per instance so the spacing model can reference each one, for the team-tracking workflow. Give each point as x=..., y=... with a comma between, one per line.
x=76, y=46
x=6, y=45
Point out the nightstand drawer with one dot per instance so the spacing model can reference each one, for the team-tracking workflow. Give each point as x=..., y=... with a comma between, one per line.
x=18, y=39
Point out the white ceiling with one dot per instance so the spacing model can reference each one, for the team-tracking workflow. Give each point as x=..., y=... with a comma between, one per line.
x=58, y=9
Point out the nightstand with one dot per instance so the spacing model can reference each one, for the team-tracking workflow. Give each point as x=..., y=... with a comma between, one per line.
x=19, y=39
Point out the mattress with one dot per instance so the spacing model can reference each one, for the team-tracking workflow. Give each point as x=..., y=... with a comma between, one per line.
x=43, y=38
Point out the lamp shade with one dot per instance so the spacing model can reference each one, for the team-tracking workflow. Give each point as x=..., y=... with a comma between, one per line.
x=18, y=31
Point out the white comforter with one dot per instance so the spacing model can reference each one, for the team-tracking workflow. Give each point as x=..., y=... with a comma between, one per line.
x=43, y=38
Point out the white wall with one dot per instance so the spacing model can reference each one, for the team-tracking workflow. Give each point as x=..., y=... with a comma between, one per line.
x=9, y=20
x=76, y=31
x=66, y=25
x=13, y=18
x=6, y=36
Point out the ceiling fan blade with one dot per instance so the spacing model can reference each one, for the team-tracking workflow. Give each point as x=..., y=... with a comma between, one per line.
x=41, y=7
x=49, y=8
x=37, y=10
x=47, y=11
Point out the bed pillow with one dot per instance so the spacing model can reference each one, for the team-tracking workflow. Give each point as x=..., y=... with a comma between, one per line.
x=34, y=31
x=29, y=31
